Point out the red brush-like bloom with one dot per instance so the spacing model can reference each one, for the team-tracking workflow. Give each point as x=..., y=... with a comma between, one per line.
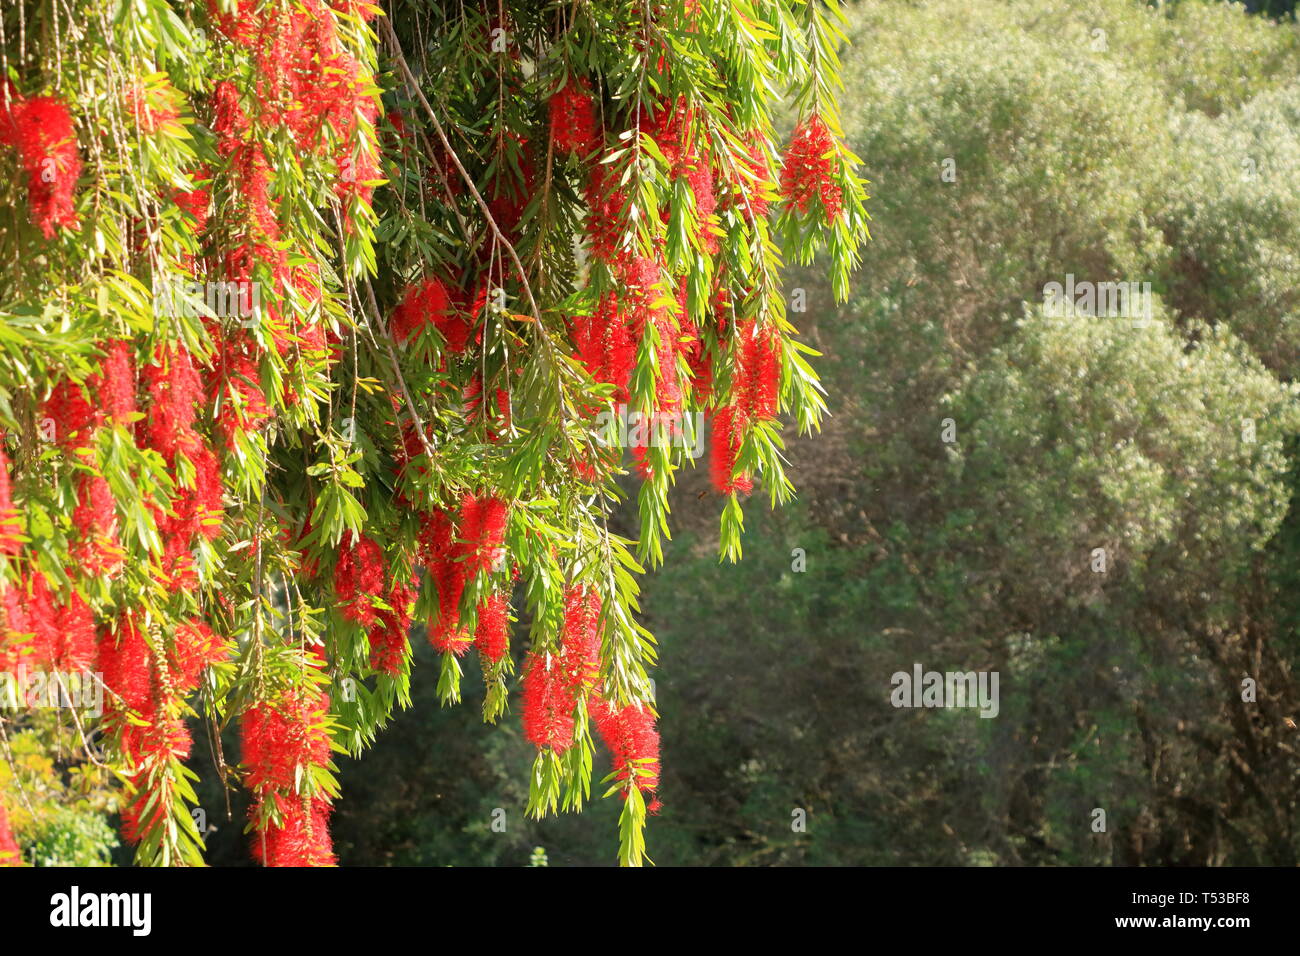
x=761, y=362
x=75, y=623
x=10, y=853
x=547, y=704
x=358, y=574
x=126, y=663
x=10, y=528
x=573, y=119
x=95, y=518
x=70, y=413
x=15, y=629
x=114, y=386
x=482, y=531
x=809, y=168
x=492, y=635
x=430, y=303
x=439, y=552
x=607, y=215
x=725, y=446
x=301, y=839
x=629, y=733
x=43, y=131
x=243, y=403
x=388, y=643
x=196, y=202
x=174, y=389
x=42, y=621
x=194, y=648
x=279, y=737
x=580, y=640
x=606, y=346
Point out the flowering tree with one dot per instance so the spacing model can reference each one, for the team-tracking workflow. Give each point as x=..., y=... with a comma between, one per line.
x=320, y=319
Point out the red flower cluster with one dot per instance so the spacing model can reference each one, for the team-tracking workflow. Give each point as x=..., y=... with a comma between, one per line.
x=756, y=376
x=388, y=644
x=492, y=635
x=629, y=733
x=280, y=741
x=429, y=303
x=547, y=704
x=114, y=386
x=71, y=413
x=95, y=519
x=41, y=129
x=456, y=551
x=674, y=133
x=10, y=528
x=194, y=648
x=63, y=636
x=809, y=168
x=10, y=853
x=358, y=574
x=573, y=119
x=580, y=640
x=174, y=390
x=301, y=839
x=278, y=737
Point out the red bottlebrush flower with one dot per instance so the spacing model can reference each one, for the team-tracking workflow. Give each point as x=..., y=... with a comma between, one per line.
x=278, y=737
x=573, y=119
x=700, y=178
x=607, y=210
x=761, y=360
x=605, y=345
x=547, y=704
x=10, y=528
x=629, y=733
x=580, y=640
x=196, y=202
x=126, y=663
x=10, y=853
x=194, y=648
x=482, y=530
x=174, y=389
x=95, y=519
x=69, y=414
x=114, y=386
x=15, y=629
x=75, y=623
x=725, y=446
x=358, y=574
x=430, y=303
x=230, y=122
x=243, y=403
x=302, y=837
x=42, y=621
x=164, y=738
x=809, y=166
x=388, y=643
x=42, y=129
x=492, y=635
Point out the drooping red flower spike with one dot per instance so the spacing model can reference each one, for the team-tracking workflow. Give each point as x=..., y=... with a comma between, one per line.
x=808, y=171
